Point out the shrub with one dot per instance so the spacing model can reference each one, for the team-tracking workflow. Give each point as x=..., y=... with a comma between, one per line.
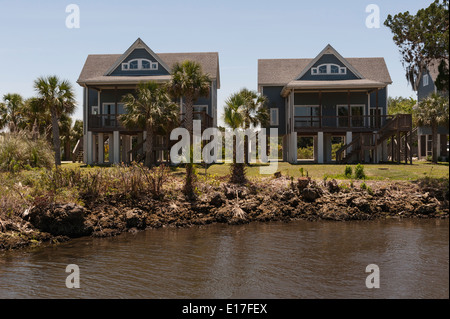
x=18, y=151
x=348, y=171
x=359, y=172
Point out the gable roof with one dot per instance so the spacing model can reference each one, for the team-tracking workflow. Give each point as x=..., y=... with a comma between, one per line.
x=433, y=70
x=329, y=50
x=138, y=44
x=279, y=72
x=97, y=66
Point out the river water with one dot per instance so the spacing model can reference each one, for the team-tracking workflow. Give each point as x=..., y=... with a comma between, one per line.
x=259, y=260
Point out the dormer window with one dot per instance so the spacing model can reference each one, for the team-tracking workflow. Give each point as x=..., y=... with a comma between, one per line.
x=328, y=69
x=425, y=80
x=139, y=64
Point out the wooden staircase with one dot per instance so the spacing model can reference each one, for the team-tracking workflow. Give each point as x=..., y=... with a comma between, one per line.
x=78, y=153
x=369, y=141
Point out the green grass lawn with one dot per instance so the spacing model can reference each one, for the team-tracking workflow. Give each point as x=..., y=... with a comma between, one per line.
x=318, y=171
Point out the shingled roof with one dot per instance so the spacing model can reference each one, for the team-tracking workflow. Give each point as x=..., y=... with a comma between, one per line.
x=97, y=65
x=279, y=72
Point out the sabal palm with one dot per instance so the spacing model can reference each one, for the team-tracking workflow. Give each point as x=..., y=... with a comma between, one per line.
x=10, y=111
x=234, y=119
x=432, y=111
x=58, y=97
x=254, y=113
x=190, y=83
x=150, y=107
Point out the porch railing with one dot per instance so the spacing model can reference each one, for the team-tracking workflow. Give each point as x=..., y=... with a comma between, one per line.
x=111, y=121
x=359, y=121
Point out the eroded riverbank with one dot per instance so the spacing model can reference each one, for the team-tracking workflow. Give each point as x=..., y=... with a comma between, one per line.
x=272, y=199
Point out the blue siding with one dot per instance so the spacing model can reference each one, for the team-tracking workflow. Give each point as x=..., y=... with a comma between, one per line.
x=381, y=100
x=93, y=99
x=328, y=58
x=424, y=91
x=140, y=54
x=275, y=100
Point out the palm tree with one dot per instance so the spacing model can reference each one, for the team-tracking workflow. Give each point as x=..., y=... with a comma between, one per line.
x=254, y=113
x=58, y=97
x=432, y=111
x=150, y=107
x=10, y=111
x=189, y=82
x=234, y=119
x=34, y=116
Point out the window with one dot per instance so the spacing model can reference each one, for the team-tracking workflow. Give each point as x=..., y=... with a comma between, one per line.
x=198, y=110
x=323, y=69
x=133, y=65
x=140, y=64
x=425, y=80
x=146, y=65
x=273, y=117
x=306, y=115
x=328, y=69
x=354, y=119
x=95, y=109
x=334, y=69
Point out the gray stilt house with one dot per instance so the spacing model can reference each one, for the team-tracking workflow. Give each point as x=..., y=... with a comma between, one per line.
x=105, y=78
x=329, y=98
x=424, y=86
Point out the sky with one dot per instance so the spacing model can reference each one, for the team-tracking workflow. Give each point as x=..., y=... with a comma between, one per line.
x=35, y=40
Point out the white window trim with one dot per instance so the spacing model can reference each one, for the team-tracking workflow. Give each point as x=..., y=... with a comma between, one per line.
x=346, y=105
x=342, y=70
x=126, y=65
x=425, y=80
x=272, y=122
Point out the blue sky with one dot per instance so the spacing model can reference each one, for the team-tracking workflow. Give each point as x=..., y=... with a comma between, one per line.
x=35, y=40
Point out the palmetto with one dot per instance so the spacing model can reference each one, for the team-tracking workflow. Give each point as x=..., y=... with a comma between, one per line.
x=148, y=109
x=56, y=96
x=432, y=111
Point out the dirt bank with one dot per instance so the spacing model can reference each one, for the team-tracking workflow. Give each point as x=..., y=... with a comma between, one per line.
x=276, y=199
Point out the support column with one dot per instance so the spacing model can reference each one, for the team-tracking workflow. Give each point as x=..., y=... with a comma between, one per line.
x=320, y=147
x=348, y=140
x=384, y=150
x=89, y=148
x=111, y=148
x=116, y=152
x=293, y=148
x=101, y=149
x=126, y=139
x=392, y=148
x=94, y=149
x=399, y=146
x=327, y=147
x=85, y=143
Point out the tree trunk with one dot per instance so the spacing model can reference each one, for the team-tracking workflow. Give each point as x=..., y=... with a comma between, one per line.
x=189, y=115
x=67, y=151
x=149, y=145
x=56, y=140
x=434, y=142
